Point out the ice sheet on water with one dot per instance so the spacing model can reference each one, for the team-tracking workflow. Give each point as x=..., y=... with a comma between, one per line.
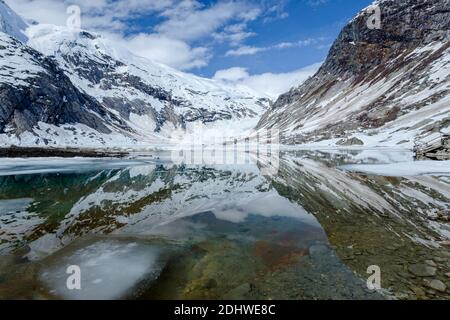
x=23, y=166
x=109, y=269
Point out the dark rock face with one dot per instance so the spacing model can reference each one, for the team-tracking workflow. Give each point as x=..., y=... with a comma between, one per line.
x=48, y=97
x=361, y=59
x=405, y=24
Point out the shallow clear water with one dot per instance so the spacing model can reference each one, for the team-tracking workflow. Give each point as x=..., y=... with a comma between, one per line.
x=148, y=229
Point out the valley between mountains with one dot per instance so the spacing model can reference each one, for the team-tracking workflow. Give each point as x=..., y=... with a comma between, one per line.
x=385, y=87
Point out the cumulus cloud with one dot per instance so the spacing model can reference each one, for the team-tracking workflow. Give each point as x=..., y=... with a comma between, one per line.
x=232, y=75
x=269, y=84
x=168, y=51
x=190, y=21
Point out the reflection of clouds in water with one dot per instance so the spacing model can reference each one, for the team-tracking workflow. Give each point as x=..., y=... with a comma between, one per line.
x=267, y=204
x=109, y=269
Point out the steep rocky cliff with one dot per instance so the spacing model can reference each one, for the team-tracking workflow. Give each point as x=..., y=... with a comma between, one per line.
x=381, y=86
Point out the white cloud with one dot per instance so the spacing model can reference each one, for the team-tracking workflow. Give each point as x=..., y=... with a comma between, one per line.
x=235, y=34
x=232, y=75
x=250, y=50
x=96, y=14
x=269, y=84
x=191, y=21
x=275, y=10
x=168, y=51
x=246, y=51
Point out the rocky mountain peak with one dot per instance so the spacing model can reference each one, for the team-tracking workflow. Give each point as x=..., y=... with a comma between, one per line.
x=373, y=77
x=404, y=24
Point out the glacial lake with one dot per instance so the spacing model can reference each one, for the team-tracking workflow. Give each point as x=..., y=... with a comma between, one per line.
x=147, y=228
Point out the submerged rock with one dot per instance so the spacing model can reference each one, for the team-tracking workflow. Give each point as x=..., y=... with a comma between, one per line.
x=437, y=285
x=430, y=263
x=422, y=270
x=419, y=292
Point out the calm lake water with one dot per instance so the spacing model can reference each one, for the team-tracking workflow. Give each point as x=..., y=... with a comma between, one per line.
x=145, y=228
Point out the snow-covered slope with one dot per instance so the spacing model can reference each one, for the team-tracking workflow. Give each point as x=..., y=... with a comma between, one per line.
x=134, y=101
x=11, y=23
x=378, y=87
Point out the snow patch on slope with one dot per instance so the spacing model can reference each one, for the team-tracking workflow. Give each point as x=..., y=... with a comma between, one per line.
x=16, y=63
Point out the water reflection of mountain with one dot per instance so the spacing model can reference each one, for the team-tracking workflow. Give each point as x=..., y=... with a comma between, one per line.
x=396, y=223
x=368, y=220
x=227, y=223
x=65, y=206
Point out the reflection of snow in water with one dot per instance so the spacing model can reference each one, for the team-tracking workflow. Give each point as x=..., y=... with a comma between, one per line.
x=15, y=221
x=109, y=270
x=403, y=169
x=13, y=206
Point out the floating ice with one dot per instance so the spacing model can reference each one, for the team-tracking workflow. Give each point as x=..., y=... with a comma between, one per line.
x=110, y=269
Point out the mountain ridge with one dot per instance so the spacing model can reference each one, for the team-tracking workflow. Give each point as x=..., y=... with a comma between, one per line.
x=373, y=82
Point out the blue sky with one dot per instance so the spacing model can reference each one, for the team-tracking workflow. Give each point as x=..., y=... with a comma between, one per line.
x=247, y=41
x=320, y=23
x=316, y=21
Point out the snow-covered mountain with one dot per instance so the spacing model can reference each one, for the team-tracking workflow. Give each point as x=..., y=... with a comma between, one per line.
x=378, y=87
x=64, y=87
x=37, y=99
